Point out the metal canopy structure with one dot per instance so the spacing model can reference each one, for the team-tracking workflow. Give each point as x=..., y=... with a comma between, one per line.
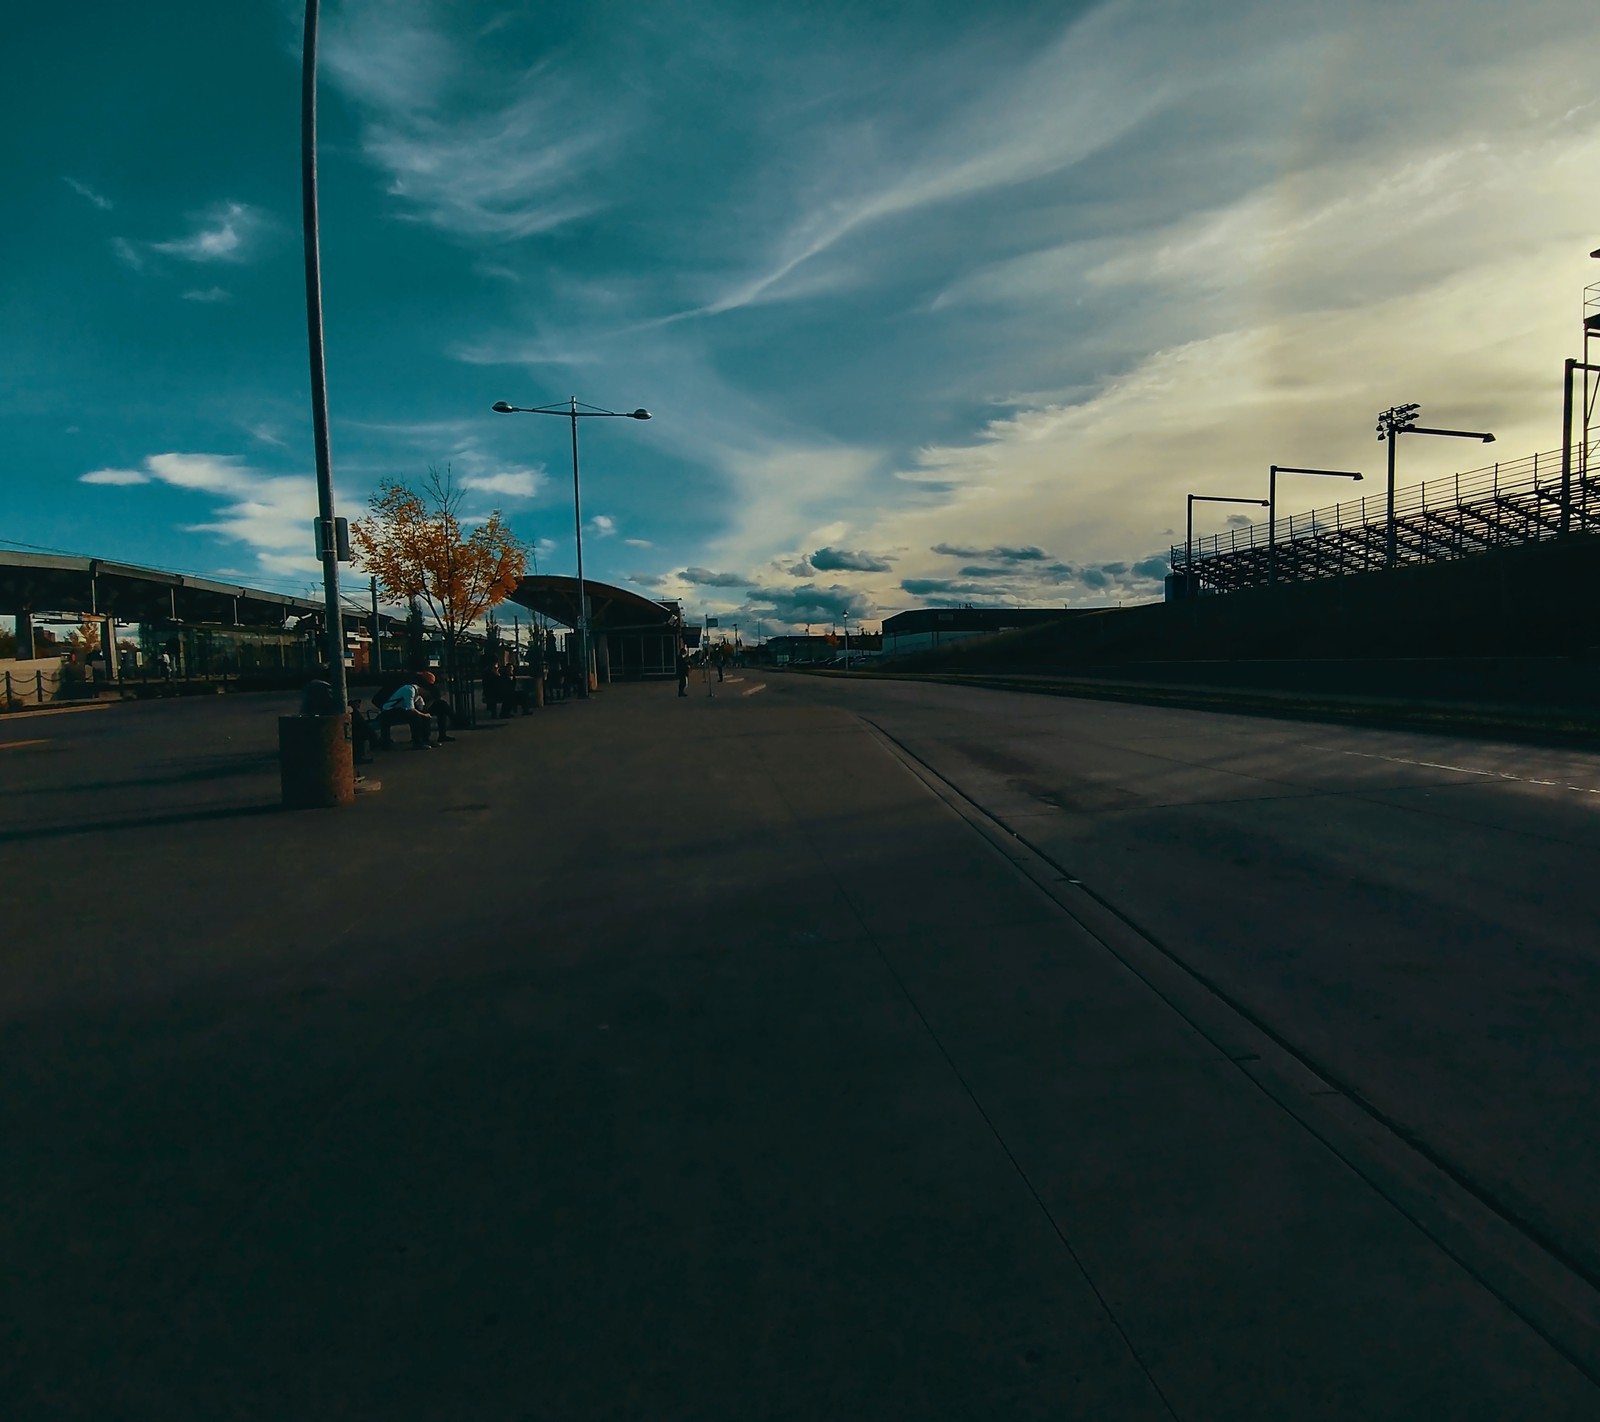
x=631, y=636
x=610, y=608
x=49, y=582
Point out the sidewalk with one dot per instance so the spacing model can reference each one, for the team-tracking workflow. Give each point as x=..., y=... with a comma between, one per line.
x=645, y=1058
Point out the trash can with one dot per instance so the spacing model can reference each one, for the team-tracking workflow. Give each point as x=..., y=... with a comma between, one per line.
x=315, y=761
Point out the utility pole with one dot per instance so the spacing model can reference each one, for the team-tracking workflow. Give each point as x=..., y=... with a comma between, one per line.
x=377, y=630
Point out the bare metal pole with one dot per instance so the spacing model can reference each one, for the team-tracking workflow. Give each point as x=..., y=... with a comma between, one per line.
x=319, y=377
x=577, y=519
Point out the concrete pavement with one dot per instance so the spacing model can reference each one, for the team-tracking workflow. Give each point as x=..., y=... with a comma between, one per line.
x=651, y=1058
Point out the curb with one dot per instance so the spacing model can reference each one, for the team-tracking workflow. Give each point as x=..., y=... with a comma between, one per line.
x=1486, y=720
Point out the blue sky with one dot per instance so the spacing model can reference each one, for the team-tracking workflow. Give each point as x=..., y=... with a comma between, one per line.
x=932, y=302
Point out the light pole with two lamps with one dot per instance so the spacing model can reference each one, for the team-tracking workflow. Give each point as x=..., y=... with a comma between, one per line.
x=1190, y=587
x=1273, y=470
x=1392, y=423
x=571, y=410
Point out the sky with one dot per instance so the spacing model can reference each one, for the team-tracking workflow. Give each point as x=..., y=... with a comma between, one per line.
x=932, y=303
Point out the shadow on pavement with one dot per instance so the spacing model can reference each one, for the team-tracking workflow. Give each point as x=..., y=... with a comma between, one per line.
x=183, y=817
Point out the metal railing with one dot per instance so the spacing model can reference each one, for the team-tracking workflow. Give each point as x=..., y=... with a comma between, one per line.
x=1500, y=505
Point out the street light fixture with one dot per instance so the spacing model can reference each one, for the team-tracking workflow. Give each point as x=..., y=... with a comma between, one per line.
x=1392, y=423
x=571, y=410
x=1273, y=470
x=1188, y=531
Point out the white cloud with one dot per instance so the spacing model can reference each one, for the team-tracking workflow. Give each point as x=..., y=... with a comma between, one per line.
x=225, y=232
x=270, y=513
x=208, y=295
x=83, y=190
x=513, y=483
x=497, y=176
x=603, y=525
x=638, y=543
x=114, y=476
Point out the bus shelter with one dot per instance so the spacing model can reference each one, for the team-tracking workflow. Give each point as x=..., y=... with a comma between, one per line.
x=631, y=637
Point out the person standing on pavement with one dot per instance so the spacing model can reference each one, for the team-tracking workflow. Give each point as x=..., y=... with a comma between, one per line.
x=683, y=668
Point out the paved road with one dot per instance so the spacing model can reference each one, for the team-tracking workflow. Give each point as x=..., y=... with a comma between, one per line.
x=1417, y=915
x=708, y=1058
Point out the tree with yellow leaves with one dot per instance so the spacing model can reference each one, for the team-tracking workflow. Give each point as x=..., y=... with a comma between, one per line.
x=413, y=543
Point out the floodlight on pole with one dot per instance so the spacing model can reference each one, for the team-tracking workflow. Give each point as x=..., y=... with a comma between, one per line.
x=1188, y=529
x=573, y=411
x=1392, y=423
x=1273, y=470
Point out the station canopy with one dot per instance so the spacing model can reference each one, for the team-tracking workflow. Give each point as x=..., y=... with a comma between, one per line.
x=611, y=609
x=44, y=582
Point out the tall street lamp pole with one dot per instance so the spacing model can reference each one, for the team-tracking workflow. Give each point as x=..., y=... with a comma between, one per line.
x=1392, y=423
x=1273, y=471
x=1188, y=532
x=327, y=535
x=575, y=412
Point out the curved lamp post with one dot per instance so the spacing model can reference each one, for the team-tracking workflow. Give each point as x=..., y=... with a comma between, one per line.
x=1189, y=586
x=573, y=411
x=1392, y=423
x=1272, y=505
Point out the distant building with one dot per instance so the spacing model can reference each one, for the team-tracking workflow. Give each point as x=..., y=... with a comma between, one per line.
x=821, y=650
x=926, y=629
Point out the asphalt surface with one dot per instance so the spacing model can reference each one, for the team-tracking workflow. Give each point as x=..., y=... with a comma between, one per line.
x=752, y=1055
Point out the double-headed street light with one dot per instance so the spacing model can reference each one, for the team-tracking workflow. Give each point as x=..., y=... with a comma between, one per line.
x=1392, y=423
x=1273, y=471
x=573, y=411
x=1188, y=531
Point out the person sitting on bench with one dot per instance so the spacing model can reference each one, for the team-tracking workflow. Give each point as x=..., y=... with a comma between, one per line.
x=402, y=705
x=435, y=704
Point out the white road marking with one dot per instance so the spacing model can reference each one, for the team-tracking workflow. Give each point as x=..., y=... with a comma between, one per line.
x=751, y=691
x=1461, y=769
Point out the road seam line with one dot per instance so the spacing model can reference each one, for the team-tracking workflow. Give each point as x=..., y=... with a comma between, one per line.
x=1533, y=1278
x=977, y=1105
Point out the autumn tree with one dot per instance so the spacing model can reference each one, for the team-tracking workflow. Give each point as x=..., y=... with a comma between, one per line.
x=88, y=635
x=414, y=543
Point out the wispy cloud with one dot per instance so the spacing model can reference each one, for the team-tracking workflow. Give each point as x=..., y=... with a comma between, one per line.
x=83, y=190
x=603, y=525
x=128, y=254
x=225, y=232
x=496, y=175
x=208, y=295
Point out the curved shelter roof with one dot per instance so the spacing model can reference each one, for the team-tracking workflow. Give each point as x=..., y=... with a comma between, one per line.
x=611, y=609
